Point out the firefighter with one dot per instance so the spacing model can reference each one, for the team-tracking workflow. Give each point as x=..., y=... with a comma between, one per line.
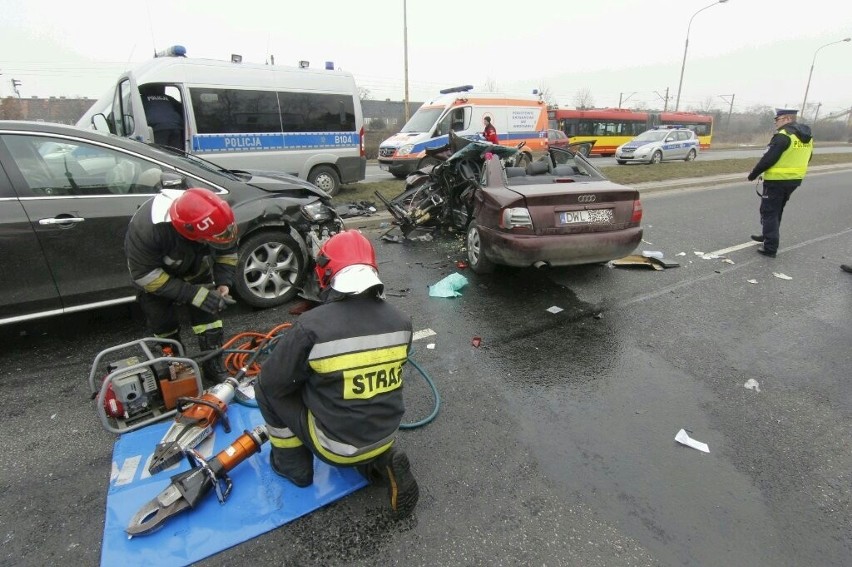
x=783, y=166
x=332, y=386
x=181, y=250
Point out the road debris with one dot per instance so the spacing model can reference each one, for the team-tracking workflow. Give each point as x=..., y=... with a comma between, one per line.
x=554, y=309
x=752, y=384
x=779, y=275
x=422, y=334
x=645, y=261
x=683, y=438
x=752, y=281
x=476, y=341
x=449, y=286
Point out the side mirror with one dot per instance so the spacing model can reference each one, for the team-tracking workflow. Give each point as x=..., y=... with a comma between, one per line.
x=101, y=124
x=171, y=180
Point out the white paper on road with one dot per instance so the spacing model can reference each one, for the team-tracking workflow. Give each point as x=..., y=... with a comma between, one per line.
x=422, y=334
x=752, y=281
x=752, y=384
x=554, y=309
x=781, y=276
x=683, y=438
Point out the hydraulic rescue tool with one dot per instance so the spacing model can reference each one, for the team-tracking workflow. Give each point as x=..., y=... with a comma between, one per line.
x=140, y=390
x=193, y=424
x=198, y=416
x=187, y=489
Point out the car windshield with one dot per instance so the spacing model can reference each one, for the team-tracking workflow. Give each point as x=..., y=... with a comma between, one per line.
x=197, y=161
x=423, y=120
x=652, y=136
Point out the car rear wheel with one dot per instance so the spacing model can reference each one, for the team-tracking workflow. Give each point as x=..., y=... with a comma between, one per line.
x=326, y=178
x=620, y=161
x=400, y=175
x=475, y=251
x=691, y=155
x=270, y=269
x=657, y=157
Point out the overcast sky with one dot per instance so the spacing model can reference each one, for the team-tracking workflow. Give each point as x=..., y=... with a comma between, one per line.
x=757, y=51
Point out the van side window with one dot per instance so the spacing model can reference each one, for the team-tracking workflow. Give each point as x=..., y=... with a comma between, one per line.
x=233, y=111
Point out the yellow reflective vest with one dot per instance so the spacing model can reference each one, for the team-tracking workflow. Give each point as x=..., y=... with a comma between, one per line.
x=793, y=163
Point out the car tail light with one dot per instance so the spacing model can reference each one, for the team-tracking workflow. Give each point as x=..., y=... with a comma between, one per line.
x=516, y=219
x=362, y=148
x=637, y=212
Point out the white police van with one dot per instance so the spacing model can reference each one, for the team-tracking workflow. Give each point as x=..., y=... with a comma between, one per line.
x=661, y=143
x=301, y=121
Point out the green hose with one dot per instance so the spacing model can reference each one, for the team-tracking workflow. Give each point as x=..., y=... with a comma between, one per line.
x=431, y=416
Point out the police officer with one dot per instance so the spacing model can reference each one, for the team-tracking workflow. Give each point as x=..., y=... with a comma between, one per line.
x=181, y=249
x=783, y=167
x=332, y=386
x=164, y=115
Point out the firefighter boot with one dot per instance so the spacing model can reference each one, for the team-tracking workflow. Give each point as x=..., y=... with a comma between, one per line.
x=394, y=468
x=296, y=464
x=212, y=368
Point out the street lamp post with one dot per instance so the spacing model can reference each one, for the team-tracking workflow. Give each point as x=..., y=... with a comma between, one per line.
x=807, y=88
x=686, y=46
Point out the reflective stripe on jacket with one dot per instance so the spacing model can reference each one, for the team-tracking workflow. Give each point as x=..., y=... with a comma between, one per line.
x=793, y=163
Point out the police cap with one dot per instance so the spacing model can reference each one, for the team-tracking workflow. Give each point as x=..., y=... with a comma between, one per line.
x=779, y=112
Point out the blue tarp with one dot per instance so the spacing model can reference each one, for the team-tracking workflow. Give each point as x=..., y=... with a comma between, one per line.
x=260, y=500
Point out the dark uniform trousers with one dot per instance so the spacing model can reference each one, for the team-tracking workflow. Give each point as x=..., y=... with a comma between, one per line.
x=774, y=198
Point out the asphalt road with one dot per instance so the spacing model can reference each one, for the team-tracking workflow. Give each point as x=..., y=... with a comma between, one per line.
x=555, y=440
x=376, y=174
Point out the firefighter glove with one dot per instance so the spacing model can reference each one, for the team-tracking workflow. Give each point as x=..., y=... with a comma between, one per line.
x=209, y=300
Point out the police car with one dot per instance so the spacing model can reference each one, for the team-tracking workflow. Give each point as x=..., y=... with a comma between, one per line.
x=658, y=144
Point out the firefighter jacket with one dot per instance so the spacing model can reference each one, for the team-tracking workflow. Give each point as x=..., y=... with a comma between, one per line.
x=163, y=262
x=787, y=156
x=346, y=358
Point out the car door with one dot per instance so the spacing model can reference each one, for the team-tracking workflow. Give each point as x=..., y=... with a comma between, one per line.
x=671, y=147
x=78, y=198
x=26, y=283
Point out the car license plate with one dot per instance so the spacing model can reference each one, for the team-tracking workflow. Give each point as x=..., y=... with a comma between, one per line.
x=384, y=167
x=589, y=217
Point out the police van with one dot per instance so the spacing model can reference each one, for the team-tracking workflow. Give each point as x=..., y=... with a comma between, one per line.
x=301, y=121
x=517, y=118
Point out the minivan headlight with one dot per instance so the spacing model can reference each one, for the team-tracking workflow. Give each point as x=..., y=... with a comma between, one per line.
x=316, y=212
x=405, y=150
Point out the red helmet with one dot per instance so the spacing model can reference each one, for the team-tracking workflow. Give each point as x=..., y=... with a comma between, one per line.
x=202, y=216
x=344, y=249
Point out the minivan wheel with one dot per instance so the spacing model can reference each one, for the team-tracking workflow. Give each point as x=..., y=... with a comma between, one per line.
x=326, y=178
x=270, y=269
x=475, y=253
x=690, y=156
x=657, y=157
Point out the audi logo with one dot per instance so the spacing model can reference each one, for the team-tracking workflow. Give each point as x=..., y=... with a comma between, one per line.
x=586, y=198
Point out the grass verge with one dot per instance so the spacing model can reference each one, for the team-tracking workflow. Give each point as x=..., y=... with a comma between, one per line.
x=625, y=174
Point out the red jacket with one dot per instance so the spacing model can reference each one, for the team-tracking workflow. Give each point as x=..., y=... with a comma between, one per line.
x=491, y=134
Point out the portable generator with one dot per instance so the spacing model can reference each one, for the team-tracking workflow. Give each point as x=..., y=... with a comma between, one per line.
x=142, y=389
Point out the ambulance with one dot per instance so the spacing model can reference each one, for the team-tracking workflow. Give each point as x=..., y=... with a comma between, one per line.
x=521, y=118
x=300, y=121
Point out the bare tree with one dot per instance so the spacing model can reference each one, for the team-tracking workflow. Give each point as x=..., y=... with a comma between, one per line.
x=490, y=85
x=546, y=94
x=364, y=93
x=705, y=107
x=583, y=99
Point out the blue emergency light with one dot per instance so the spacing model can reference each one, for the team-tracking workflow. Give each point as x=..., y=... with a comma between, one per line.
x=173, y=51
x=329, y=65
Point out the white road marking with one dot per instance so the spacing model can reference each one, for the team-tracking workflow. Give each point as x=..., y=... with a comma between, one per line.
x=724, y=251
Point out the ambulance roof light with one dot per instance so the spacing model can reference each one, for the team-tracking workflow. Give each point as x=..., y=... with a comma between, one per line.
x=461, y=89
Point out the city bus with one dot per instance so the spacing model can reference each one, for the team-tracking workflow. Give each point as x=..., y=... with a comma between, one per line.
x=611, y=127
